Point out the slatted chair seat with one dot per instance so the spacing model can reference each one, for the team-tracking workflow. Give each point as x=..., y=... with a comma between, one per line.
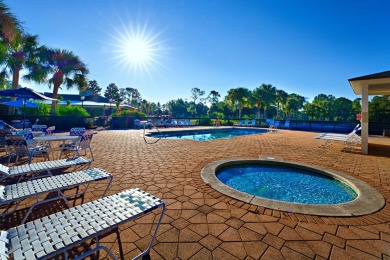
x=59, y=232
x=38, y=168
x=33, y=188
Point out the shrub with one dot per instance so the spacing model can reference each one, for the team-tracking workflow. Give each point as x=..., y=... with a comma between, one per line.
x=129, y=113
x=71, y=111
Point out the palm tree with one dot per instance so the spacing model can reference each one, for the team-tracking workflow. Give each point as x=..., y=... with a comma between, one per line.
x=60, y=67
x=21, y=54
x=294, y=103
x=281, y=97
x=10, y=27
x=240, y=96
x=258, y=98
x=269, y=96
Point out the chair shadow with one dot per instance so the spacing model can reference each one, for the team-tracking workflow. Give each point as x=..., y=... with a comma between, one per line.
x=15, y=219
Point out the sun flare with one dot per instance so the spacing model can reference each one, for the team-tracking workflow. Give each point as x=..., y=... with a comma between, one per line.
x=137, y=48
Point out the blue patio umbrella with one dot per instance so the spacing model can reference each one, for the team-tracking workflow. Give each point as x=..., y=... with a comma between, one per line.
x=21, y=103
x=24, y=94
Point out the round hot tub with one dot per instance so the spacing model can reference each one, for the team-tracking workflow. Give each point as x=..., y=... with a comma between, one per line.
x=292, y=187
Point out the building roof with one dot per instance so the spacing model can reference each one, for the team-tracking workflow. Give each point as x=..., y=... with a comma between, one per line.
x=378, y=83
x=77, y=97
x=89, y=100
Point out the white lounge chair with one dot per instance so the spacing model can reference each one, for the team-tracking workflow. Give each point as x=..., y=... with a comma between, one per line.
x=37, y=168
x=50, y=236
x=15, y=193
x=322, y=135
x=349, y=141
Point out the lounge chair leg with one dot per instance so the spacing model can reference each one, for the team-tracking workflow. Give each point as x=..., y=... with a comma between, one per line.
x=108, y=186
x=146, y=252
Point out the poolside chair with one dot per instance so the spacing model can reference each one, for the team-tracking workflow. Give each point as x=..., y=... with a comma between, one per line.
x=246, y=122
x=79, y=131
x=286, y=124
x=157, y=122
x=41, y=128
x=83, y=144
x=17, y=147
x=37, y=168
x=137, y=124
x=270, y=122
x=164, y=123
x=28, y=136
x=50, y=130
x=180, y=123
x=75, y=131
x=253, y=124
x=15, y=193
x=3, y=134
x=349, y=141
x=55, y=234
x=356, y=129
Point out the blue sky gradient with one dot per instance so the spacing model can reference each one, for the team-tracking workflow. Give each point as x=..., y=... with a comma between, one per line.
x=303, y=47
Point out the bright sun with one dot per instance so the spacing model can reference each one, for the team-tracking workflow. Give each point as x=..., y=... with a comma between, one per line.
x=137, y=49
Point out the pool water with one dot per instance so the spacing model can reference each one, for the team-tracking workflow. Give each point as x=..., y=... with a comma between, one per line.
x=207, y=135
x=286, y=184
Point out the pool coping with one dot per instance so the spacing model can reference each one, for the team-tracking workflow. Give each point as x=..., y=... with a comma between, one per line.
x=369, y=200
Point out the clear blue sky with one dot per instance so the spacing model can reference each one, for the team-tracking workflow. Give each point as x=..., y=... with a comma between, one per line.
x=304, y=47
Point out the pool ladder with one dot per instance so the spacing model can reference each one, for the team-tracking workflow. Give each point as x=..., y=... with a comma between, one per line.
x=144, y=136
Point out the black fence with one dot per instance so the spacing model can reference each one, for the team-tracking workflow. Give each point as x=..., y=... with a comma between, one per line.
x=65, y=123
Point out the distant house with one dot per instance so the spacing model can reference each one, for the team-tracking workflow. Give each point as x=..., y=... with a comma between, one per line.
x=86, y=99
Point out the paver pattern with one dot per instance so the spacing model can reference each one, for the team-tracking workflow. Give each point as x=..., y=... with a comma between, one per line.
x=201, y=223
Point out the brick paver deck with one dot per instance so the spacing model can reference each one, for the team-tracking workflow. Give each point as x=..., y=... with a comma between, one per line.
x=201, y=223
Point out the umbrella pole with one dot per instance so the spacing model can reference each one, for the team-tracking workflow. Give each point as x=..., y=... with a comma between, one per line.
x=24, y=113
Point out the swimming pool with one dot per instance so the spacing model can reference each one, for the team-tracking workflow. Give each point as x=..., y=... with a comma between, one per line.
x=206, y=134
x=269, y=189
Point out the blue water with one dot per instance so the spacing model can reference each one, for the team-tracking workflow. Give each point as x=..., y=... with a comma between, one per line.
x=206, y=135
x=286, y=184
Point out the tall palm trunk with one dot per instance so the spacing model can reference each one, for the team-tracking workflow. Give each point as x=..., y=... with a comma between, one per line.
x=15, y=84
x=58, y=79
x=54, y=102
x=239, y=111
